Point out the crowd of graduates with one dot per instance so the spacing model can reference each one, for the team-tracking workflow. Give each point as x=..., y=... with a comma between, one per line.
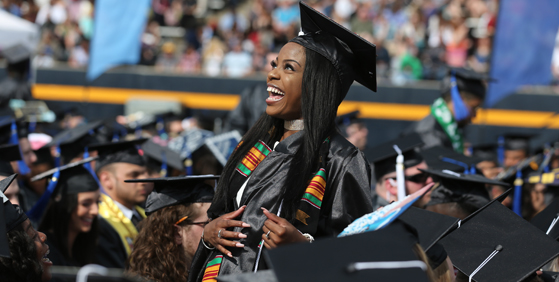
x=290, y=196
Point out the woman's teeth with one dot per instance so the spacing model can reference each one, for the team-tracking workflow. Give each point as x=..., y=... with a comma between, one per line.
x=45, y=258
x=275, y=90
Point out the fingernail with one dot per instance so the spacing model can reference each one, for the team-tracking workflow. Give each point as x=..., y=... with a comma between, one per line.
x=246, y=225
x=242, y=235
x=229, y=255
x=240, y=245
x=244, y=206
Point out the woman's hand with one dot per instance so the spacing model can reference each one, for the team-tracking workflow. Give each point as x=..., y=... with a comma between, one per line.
x=281, y=231
x=218, y=228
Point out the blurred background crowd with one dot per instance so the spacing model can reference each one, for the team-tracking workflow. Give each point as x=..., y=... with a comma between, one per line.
x=416, y=39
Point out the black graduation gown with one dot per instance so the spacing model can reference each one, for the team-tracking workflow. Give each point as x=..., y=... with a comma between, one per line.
x=431, y=133
x=110, y=251
x=347, y=197
x=55, y=256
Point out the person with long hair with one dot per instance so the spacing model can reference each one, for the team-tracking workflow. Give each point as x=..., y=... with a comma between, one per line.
x=177, y=213
x=23, y=252
x=70, y=220
x=293, y=178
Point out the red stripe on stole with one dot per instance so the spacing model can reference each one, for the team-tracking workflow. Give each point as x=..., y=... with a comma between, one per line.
x=317, y=186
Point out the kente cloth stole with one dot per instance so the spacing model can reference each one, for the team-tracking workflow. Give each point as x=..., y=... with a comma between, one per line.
x=309, y=209
x=212, y=269
x=444, y=117
x=253, y=158
x=122, y=225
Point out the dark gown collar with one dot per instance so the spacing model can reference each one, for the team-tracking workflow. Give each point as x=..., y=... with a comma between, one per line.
x=290, y=144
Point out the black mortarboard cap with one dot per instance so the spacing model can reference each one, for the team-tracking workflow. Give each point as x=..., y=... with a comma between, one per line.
x=6, y=129
x=546, y=220
x=44, y=156
x=467, y=81
x=8, y=153
x=223, y=145
x=74, y=178
x=313, y=262
x=460, y=188
x=119, y=152
x=485, y=152
x=501, y=245
x=73, y=141
x=170, y=191
x=384, y=156
x=430, y=226
x=518, y=141
x=157, y=154
x=440, y=158
x=11, y=217
x=353, y=57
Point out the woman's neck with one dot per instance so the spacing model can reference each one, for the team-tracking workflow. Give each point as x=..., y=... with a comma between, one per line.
x=287, y=133
x=291, y=127
x=72, y=235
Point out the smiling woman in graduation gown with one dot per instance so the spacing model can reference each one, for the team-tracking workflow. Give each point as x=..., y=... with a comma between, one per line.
x=293, y=178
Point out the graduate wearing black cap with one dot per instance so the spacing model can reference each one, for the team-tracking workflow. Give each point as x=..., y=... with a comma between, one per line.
x=355, y=130
x=489, y=164
x=9, y=153
x=463, y=92
x=385, y=159
x=516, y=148
x=293, y=143
x=119, y=208
x=177, y=213
x=23, y=252
x=70, y=218
x=71, y=143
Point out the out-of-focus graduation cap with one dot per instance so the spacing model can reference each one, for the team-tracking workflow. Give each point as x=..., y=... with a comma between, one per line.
x=160, y=158
x=549, y=276
x=6, y=130
x=466, y=81
x=72, y=178
x=485, y=152
x=347, y=119
x=223, y=145
x=494, y=244
x=353, y=57
x=466, y=189
x=547, y=178
x=73, y=141
x=70, y=274
x=119, y=152
x=518, y=141
x=16, y=53
x=384, y=155
x=189, y=141
x=170, y=191
x=440, y=158
x=11, y=216
x=8, y=153
x=546, y=220
x=430, y=226
x=383, y=255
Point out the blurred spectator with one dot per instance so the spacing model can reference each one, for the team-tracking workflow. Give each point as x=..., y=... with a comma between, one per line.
x=213, y=57
x=190, y=61
x=237, y=63
x=167, y=62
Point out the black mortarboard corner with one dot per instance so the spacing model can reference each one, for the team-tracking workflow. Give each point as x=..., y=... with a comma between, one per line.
x=467, y=190
x=72, y=142
x=384, y=156
x=382, y=255
x=8, y=153
x=72, y=178
x=440, y=158
x=547, y=220
x=353, y=57
x=223, y=145
x=430, y=226
x=466, y=81
x=11, y=216
x=160, y=158
x=119, y=152
x=494, y=244
x=170, y=191
x=518, y=141
x=485, y=152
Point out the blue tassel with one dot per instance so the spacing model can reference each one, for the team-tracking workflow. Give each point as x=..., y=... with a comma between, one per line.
x=163, y=171
x=88, y=167
x=501, y=150
x=517, y=203
x=461, y=111
x=465, y=166
x=23, y=168
x=473, y=169
x=57, y=156
x=36, y=212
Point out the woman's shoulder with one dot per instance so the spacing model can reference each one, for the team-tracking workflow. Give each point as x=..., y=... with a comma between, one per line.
x=339, y=146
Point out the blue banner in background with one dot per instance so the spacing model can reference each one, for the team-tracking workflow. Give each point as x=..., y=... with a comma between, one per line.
x=522, y=47
x=118, y=27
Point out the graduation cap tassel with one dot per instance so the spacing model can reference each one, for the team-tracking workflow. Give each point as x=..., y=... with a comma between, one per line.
x=461, y=111
x=501, y=150
x=32, y=124
x=160, y=126
x=491, y=256
x=37, y=210
x=517, y=203
x=88, y=167
x=400, y=173
x=452, y=161
x=138, y=132
x=163, y=170
x=552, y=224
x=57, y=156
x=23, y=168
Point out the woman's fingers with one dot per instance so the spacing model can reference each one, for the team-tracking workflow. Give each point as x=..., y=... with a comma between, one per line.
x=276, y=228
x=235, y=214
x=231, y=234
x=223, y=250
x=226, y=223
x=271, y=216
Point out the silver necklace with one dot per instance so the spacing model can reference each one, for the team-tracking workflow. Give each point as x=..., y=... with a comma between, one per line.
x=296, y=124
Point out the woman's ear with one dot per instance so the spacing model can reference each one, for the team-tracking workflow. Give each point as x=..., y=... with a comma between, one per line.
x=178, y=234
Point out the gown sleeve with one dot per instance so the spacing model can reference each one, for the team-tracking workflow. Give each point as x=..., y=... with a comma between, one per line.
x=110, y=251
